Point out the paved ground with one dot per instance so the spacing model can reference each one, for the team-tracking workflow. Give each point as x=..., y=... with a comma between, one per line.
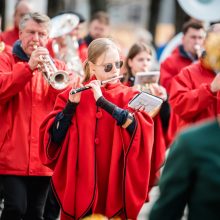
x=147, y=206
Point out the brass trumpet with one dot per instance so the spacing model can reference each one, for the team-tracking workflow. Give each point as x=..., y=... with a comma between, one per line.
x=58, y=79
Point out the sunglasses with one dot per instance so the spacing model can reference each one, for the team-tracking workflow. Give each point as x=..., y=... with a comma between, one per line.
x=108, y=66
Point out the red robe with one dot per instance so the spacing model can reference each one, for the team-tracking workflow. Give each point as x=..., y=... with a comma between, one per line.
x=99, y=166
x=25, y=99
x=168, y=70
x=171, y=67
x=191, y=98
x=10, y=36
x=159, y=141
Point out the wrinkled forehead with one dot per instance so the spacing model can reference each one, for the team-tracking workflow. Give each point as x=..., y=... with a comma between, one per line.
x=32, y=24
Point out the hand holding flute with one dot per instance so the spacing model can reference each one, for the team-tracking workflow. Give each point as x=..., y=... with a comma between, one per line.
x=74, y=95
x=94, y=85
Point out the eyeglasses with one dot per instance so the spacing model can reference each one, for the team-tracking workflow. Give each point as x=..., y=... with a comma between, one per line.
x=108, y=66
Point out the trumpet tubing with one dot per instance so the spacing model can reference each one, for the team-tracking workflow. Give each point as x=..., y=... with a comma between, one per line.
x=58, y=79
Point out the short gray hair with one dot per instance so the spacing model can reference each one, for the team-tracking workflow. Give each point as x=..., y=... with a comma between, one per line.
x=37, y=17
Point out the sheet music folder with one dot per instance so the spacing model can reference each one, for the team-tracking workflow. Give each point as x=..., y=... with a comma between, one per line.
x=150, y=102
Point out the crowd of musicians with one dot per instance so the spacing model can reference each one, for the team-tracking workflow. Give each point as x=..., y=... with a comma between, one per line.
x=67, y=154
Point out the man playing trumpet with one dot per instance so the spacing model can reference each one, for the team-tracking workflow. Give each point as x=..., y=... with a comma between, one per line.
x=194, y=94
x=25, y=98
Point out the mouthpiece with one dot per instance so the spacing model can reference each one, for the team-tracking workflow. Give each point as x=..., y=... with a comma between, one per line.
x=197, y=47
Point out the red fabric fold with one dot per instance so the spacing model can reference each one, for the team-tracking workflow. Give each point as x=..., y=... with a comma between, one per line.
x=99, y=166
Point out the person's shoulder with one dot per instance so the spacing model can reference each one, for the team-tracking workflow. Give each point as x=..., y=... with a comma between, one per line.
x=7, y=33
x=200, y=133
x=196, y=65
x=173, y=59
x=6, y=54
x=191, y=69
x=169, y=58
x=192, y=140
x=200, y=127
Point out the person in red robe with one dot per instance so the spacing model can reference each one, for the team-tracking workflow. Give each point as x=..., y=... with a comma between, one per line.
x=10, y=36
x=4, y=47
x=100, y=149
x=185, y=54
x=182, y=56
x=194, y=95
x=139, y=59
x=25, y=98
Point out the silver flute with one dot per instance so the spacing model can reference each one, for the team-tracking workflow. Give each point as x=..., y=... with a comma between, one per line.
x=74, y=91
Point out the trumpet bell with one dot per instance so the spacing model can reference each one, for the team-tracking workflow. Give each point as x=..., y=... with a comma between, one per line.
x=59, y=80
x=63, y=24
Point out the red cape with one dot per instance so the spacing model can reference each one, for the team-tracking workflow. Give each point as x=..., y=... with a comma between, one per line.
x=99, y=166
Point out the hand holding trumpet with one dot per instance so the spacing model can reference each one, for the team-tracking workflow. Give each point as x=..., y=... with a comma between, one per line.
x=36, y=57
x=58, y=79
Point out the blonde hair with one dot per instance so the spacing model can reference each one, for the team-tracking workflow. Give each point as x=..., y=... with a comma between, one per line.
x=96, y=48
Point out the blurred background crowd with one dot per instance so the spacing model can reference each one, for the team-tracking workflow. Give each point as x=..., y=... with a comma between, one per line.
x=171, y=39
x=153, y=21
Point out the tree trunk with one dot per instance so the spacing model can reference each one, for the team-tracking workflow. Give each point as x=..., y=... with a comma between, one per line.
x=180, y=17
x=97, y=5
x=55, y=6
x=154, y=12
x=69, y=5
x=2, y=14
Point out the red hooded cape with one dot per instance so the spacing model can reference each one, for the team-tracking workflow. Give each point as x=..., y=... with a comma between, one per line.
x=99, y=166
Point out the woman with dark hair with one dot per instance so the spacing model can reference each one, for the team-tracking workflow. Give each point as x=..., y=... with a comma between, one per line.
x=139, y=60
